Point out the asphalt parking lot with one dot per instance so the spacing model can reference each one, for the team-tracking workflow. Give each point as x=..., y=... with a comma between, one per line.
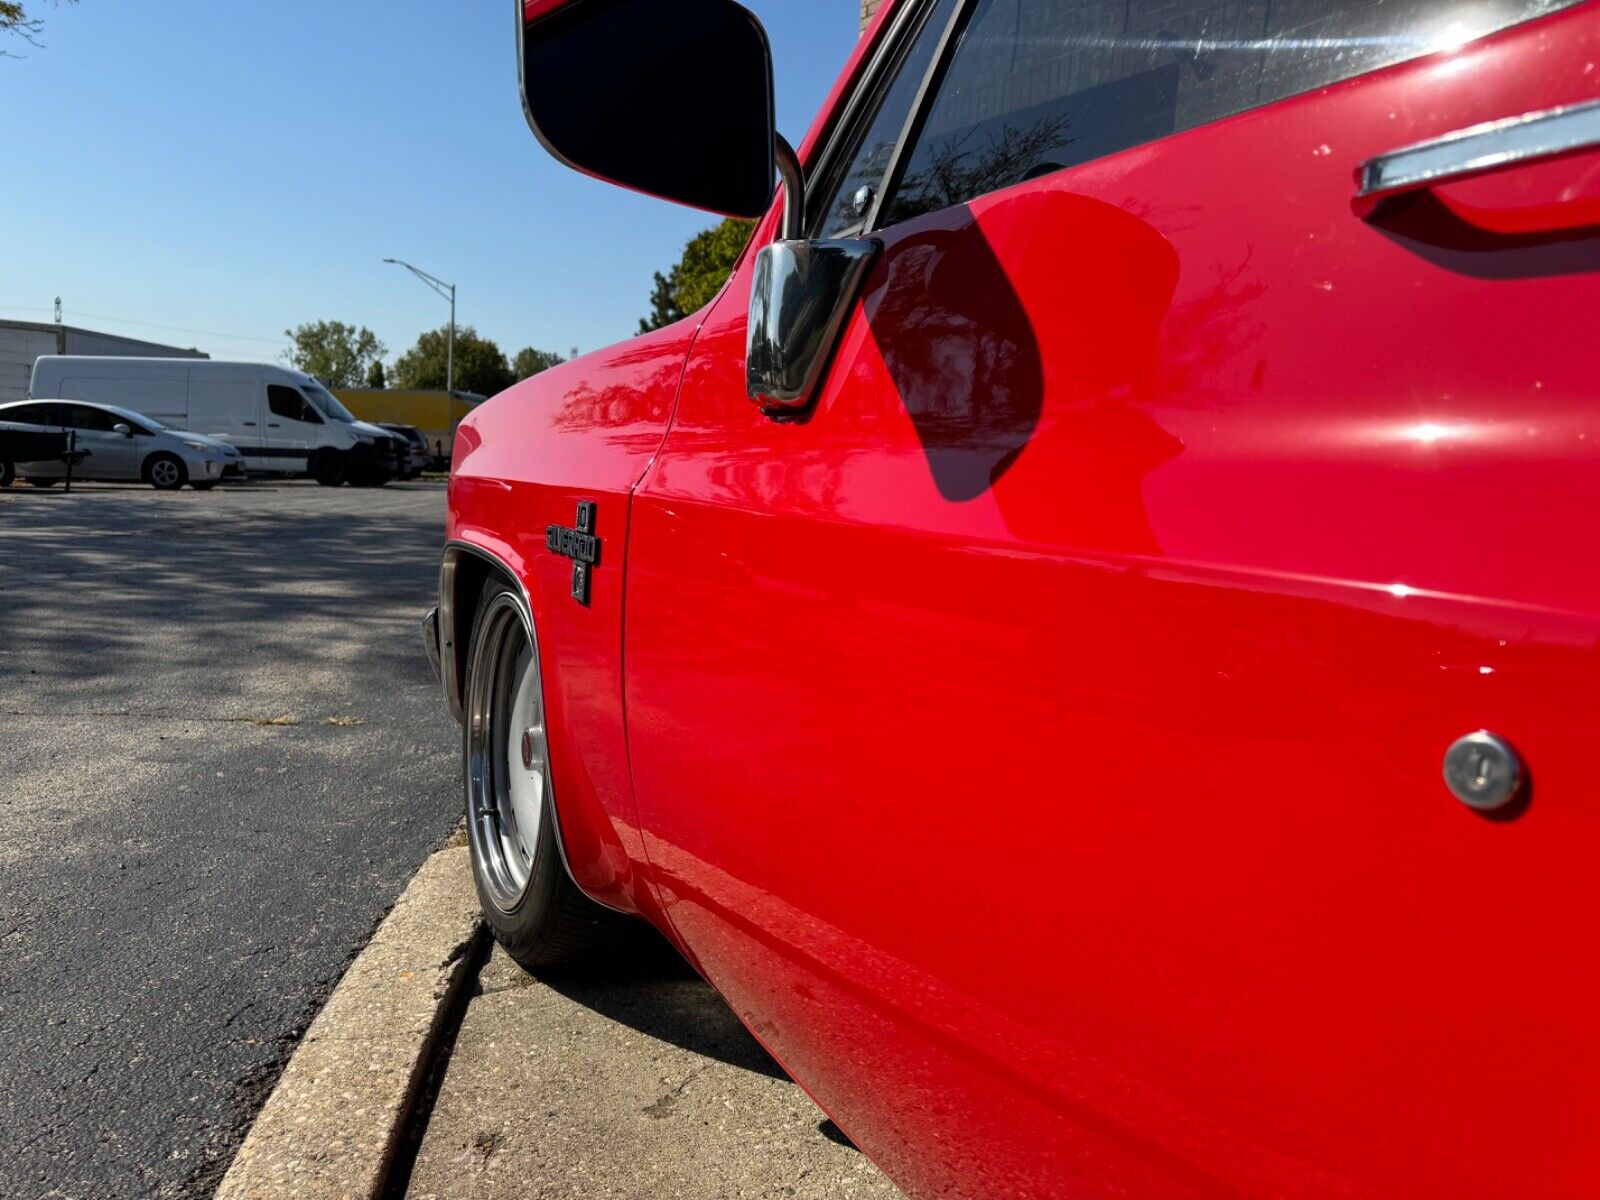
x=223, y=756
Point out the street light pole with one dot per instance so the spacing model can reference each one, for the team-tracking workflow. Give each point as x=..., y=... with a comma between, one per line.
x=444, y=289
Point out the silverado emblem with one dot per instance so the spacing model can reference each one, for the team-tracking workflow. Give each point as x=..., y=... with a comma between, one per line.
x=580, y=545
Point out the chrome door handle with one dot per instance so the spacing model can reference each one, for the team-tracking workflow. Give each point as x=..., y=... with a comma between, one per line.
x=1482, y=147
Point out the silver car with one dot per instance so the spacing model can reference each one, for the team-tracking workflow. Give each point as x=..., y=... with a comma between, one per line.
x=113, y=443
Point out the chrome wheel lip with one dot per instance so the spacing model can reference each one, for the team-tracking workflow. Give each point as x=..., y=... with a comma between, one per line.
x=506, y=803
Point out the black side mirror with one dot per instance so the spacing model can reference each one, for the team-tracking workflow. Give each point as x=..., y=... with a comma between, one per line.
x=669, y=97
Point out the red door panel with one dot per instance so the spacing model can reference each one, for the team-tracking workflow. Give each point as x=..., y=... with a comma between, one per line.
x=1040, y=744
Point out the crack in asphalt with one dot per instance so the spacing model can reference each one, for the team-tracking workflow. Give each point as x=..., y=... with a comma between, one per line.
x=286, y=721
x=661, y=1107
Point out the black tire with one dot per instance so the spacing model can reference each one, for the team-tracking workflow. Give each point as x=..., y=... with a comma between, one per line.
x=327, y=467
x=204, y=487
x=41, y=481
x=8, y=474
x=165, y=472
x=544, y=921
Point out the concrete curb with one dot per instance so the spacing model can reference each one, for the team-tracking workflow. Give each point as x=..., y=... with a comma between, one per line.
x=331, y=1126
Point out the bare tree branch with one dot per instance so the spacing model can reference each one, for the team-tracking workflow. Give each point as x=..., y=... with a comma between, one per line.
x=15, y=21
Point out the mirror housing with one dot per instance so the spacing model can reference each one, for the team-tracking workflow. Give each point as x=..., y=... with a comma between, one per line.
x=800, y=295
x=593, y=75
x=124, y=429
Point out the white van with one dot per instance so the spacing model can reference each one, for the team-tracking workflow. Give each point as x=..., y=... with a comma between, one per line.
x=278, y=419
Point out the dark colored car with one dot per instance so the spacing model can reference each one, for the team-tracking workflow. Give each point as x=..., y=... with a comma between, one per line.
x=417, y=456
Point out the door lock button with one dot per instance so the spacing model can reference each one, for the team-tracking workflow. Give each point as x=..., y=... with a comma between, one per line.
x=1483, y=771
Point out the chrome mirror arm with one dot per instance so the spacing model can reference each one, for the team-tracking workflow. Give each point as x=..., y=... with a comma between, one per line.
x=794, y=190
x=800, y=296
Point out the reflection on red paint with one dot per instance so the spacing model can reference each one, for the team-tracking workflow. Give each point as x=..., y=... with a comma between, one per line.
x=1039, y=744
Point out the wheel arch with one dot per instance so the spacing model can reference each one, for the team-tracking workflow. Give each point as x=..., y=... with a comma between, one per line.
x=463, y=574
x=144, y=467
x=465, y=571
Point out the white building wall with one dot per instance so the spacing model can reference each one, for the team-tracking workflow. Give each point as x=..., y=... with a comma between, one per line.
x=23, y=341
x=18, y=348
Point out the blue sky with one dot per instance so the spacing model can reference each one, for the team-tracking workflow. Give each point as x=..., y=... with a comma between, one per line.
x=239, y=168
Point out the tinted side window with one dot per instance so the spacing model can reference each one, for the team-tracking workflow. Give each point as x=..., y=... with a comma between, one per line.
x=34, y=414
x=867, y=164
x=81, y=416
x=288, y=402
x=1037, y=85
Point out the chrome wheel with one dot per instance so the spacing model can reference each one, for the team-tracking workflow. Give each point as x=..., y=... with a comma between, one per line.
x=507, y=753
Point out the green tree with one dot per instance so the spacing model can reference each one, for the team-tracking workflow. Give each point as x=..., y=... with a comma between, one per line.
x=708, y=259
x=664, y=308
x=338, y=354
x=481, y=365
x=530, y=361
x=375, y=375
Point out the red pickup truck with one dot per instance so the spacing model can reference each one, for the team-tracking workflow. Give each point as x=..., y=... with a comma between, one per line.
x=1089, y=642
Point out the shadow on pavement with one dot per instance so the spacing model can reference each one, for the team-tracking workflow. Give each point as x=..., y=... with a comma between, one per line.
x=224, y=754
x=654, y=992
x=240, y=588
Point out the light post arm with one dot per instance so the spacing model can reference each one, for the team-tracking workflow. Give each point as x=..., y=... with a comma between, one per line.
x=447, y=290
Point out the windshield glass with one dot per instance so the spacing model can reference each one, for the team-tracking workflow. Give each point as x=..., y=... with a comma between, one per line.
x=326, y=402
